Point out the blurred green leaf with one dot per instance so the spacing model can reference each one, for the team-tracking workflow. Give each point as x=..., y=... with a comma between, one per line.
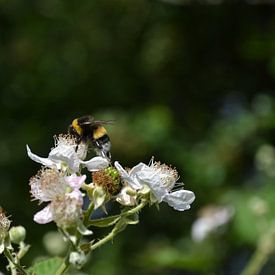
x=46, y=267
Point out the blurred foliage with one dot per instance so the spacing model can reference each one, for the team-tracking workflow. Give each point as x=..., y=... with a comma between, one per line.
x=192, y=86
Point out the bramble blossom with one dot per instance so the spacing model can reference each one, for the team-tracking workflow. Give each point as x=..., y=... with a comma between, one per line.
x=159, y=180
x=65, y=157
x=65, y=207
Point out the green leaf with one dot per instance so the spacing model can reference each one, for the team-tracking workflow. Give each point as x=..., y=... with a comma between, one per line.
x=104, y=222
x=46, y=267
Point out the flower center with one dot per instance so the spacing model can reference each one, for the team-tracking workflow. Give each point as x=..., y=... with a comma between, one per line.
x=108, y=179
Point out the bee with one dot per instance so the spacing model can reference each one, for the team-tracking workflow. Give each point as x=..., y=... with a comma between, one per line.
x=87, y=129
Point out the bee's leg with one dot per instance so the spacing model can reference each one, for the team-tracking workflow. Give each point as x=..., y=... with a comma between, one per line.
x=78, y=140
x=103, y=149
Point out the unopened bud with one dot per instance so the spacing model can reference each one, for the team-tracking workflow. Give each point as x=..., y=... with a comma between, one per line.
x=54, y=243
x=77, y=259
x=17, y=234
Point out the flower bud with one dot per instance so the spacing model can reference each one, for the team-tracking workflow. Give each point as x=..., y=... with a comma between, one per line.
x=77, y=259
x=54, y=243
x=17, y=234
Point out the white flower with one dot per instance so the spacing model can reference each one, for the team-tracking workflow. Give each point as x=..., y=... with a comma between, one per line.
x=212, y=218
x=161, y=179
x=64, y=155
x=66, y=201
x=65, y=210
x=48, y=184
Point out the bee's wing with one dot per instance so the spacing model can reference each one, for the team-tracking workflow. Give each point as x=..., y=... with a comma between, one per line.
x=104, y=121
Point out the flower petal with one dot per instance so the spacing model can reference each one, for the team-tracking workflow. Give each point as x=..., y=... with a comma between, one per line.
x=180, y=200
x=44, y=161
x=152, y=178
x=125, y=198
x=96, y=163
x=130, y=178
x=76, y=195
x=43, y=216
x=75, y=181
x=65, y=153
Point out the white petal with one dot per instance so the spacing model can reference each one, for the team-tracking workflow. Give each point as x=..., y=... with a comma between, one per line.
x=180, y=200
x=65, y=153
x=130, y=178
x=75, y=181
x=43, y=216
x=124, y=198
x=75, y=194
x=96, y=163
x=44, y=161
x=139, y=167
x=151, y=178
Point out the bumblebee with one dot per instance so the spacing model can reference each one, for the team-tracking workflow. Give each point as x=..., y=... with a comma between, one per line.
x=87, y=130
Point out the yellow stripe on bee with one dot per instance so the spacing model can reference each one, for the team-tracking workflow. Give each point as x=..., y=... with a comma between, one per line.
x=99, y=132
x=76, y=126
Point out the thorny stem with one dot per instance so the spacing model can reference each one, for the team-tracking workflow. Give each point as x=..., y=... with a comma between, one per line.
x=65, y=265
x=104, y=240
x=265, y=247
x=13, y=264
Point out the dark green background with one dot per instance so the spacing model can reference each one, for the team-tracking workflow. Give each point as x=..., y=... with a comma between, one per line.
x=191, y=85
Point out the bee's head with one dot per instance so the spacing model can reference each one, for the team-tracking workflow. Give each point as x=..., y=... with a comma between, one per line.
x=71, y=130
x=75, y=128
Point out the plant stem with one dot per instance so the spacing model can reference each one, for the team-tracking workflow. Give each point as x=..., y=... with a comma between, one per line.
x=23, y=250
x=117, y=229
x=107, y=238
x=88, y=213
x=260, y=257
x=135, y=209
x=13, y=264
x=65, y=265
x=62, y=268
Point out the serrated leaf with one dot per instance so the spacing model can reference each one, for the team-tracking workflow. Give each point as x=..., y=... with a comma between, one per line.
x=104, y=222
x=46, y=267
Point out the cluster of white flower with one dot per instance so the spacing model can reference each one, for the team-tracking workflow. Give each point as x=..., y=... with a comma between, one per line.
x=61, y=184
x=59, y=181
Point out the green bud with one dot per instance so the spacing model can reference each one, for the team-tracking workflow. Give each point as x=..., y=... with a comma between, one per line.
x=17, y=234
x=54, y=243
